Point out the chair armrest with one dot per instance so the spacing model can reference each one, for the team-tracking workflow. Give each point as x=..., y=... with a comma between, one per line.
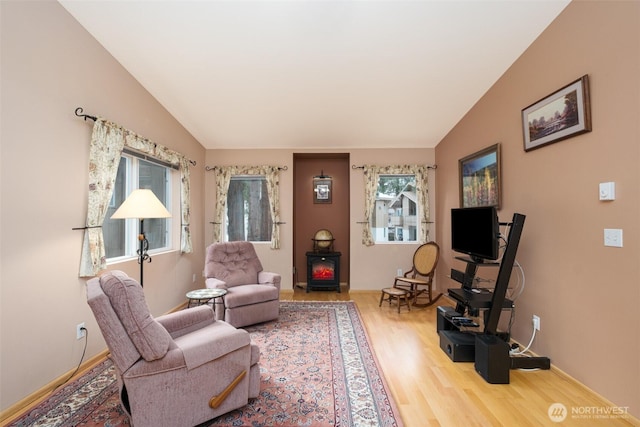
x=185, y=321
x=213, y=283
x=173, y=360
x=213, y=342
x=266, y=277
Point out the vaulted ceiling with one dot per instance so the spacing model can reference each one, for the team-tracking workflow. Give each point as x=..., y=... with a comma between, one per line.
x=316, y=74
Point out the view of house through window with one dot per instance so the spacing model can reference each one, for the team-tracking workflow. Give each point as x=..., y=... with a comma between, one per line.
x=248, y=214
x=121, y=236
x=395, y=216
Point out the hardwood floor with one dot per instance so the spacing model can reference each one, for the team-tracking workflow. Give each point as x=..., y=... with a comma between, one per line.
x=431, y=390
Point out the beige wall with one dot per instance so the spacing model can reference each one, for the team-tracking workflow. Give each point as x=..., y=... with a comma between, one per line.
x=587, y=295
x=50, y=66
x=370, y=267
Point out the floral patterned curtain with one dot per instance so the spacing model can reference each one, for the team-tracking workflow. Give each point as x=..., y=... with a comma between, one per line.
x=371, y=176
x=272, y=174
x=223, y=178
x=185, y=206
x=107, y=142
x=105, y=151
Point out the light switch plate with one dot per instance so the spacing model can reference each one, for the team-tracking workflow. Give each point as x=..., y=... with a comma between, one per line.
x=613, y=237
x=607, y=191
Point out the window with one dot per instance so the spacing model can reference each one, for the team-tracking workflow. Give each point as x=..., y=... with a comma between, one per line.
x=248, y=215
x=121, y=236
x=254, y=212
x=396, y=213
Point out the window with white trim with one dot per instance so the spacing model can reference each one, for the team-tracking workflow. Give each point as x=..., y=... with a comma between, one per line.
x=396, y=212
x=121, y=236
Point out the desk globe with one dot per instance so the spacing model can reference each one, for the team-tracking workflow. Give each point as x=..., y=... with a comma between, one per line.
x=323, y=241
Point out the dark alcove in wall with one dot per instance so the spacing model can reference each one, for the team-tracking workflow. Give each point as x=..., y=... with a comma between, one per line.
x=309, y=216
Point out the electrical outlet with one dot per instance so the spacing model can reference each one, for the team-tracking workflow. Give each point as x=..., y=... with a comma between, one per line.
x=613, y=237
x=399, y=272
x=536, y=322
x=80, y=331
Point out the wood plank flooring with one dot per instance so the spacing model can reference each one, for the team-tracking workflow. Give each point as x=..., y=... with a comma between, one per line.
x=431, y=390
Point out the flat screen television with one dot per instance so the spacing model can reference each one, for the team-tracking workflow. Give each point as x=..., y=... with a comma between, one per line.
x=476, y=232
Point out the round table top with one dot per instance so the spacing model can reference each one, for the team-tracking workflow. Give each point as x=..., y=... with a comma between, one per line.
x=206, y=293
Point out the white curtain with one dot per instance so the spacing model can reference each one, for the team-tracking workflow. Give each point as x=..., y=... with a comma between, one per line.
x=371, y=176
x=223, y=178
x=107, y=142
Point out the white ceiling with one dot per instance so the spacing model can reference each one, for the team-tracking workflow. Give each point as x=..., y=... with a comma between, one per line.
x=316, y=74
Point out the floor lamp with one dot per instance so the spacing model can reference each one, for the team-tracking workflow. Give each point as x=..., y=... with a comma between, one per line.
x=142, y=204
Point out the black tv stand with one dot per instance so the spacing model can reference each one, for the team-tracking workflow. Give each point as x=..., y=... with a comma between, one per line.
x=466, y=279
x=489, y=349
x=494, y=301
x=477, y=261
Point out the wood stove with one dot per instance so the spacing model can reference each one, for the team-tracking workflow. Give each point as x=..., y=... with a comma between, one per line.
x=323, y=270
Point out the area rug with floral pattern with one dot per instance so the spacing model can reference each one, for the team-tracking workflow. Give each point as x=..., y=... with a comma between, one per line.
x=317, y=369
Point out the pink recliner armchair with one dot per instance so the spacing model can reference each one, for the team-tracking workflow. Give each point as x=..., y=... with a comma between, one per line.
x=180, y=369
x=253, y=295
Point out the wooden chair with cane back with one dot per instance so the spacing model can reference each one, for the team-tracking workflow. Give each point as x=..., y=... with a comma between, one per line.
x=418, y=281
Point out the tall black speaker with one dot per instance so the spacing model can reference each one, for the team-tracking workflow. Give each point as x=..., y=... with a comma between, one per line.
x=492, y=359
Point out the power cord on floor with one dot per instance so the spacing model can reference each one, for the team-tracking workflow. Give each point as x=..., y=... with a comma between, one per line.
x=86, y=339
x=526, y=349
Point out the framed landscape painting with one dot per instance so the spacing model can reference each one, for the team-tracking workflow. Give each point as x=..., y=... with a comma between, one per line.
x=561, y=115
x=480, y=178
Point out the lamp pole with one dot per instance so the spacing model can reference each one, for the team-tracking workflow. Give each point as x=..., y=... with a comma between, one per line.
x=142, y=252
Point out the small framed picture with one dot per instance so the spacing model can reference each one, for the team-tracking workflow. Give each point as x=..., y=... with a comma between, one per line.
x=561, y=115
x=480, y=178
x=321, y=190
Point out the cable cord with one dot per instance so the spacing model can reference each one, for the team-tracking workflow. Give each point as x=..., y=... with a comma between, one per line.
x=512, y=318
x=513, y=297
x=86, y=339
x=521, y=277
x=521, y=280
x=523, y=351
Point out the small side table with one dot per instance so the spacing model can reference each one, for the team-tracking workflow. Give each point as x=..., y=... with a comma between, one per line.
x=203, y=296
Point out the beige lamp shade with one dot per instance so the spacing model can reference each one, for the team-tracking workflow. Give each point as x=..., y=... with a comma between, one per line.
x=141, y=204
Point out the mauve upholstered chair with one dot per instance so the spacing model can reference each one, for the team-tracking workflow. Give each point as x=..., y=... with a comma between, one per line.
x=253, y=295
x=180, y=369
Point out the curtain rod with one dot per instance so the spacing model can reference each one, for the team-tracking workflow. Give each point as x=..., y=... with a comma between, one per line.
x=79, y=112
x=362, y=167
x=85, y=116
x=212, y=168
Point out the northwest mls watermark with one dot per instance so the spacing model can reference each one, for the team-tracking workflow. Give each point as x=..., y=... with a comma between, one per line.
x=558, y=412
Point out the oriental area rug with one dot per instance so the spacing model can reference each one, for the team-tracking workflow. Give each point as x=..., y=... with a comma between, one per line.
x=317, y=369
